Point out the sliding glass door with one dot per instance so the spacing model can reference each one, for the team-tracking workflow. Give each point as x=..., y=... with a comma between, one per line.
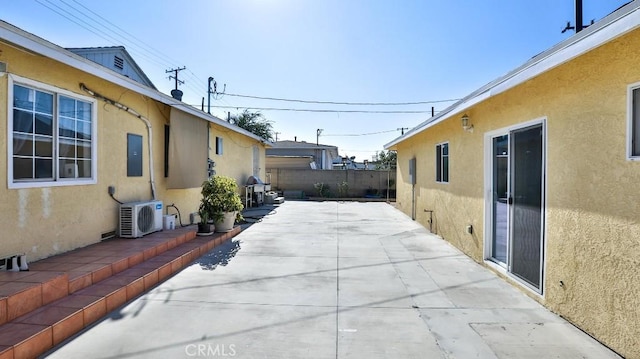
x=517, y=202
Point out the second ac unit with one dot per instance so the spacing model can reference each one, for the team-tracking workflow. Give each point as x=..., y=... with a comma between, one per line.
x=139, y=218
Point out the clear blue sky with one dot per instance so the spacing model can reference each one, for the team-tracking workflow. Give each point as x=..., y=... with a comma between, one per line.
x=319, y=50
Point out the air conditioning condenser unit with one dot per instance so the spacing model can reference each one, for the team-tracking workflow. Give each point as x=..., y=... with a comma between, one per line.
x=139, y=218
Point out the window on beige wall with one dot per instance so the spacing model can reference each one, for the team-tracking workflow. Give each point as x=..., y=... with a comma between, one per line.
x=218, y=145
x=52, y=136
x=634, y=122
x=442, y=162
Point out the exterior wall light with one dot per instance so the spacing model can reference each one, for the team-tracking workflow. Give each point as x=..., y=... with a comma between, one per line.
x=465, y=123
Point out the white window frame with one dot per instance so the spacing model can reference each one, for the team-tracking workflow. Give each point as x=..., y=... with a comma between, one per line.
x=630, y=135
x=439, y=159
x=57, y=181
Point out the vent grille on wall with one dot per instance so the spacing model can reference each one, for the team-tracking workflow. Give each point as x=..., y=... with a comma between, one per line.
x=118, y=62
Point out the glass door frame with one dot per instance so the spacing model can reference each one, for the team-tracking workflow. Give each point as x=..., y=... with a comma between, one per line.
x=491, y=211
x=505, y=268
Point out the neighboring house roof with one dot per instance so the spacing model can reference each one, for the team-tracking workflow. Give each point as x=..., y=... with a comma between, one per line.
x=38, y=45
x=115, y=58
x=301, y=144
x=279, y=156
x=290, y=147
x=614, y=25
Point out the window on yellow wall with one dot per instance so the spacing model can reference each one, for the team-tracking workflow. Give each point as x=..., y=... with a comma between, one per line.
x=218, y=145
x=52, y=136
x=442, y=162
x=634, y=121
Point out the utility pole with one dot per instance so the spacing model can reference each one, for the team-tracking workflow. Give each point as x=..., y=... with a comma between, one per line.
x=318, y=132
x=209, y=94
x=277, y=133
x=175, y=76
x=213, y=91
x=175, y=93
x=401, y=129
x=579, y=24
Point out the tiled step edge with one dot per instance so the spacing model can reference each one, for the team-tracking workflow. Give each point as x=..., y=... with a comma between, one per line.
x=36, y=292
x=34, y=333
x=78, y=281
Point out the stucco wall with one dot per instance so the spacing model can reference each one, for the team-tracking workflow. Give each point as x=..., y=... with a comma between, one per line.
x=236, y=160
x=592, y=199
x=49, y=220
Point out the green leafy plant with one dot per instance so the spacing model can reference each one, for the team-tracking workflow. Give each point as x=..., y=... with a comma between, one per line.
x=219, y=196
x=322, y=189
x=343, y=189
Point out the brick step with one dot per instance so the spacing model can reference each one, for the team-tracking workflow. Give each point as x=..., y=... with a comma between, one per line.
x=41, y=315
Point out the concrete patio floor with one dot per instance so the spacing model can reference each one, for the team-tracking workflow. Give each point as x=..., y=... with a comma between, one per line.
x=333, y=280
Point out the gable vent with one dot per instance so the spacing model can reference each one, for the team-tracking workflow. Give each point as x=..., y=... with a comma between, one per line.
x=118, y=62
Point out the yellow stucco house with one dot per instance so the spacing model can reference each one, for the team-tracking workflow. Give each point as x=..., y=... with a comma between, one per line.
x=77, y=136
x=535, y=176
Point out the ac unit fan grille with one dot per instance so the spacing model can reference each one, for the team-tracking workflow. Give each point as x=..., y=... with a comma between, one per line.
x=145, y=219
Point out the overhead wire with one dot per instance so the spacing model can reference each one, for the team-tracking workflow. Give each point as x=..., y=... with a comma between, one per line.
x=342, y=103
x=359, y=134
x=323, y=110
x=139, y=47
x=123, y=37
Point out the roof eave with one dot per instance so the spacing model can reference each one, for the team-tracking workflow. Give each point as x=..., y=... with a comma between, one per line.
x=40, y=46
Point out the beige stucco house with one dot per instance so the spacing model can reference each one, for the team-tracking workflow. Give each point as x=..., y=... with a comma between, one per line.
x=76, y=132
x=536, y=174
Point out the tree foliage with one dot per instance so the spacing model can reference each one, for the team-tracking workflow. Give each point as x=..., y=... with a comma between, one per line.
x=386, y=160
x=254, y=122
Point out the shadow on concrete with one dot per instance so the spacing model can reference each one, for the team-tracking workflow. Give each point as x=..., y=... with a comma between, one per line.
x=253, y=215
x=220, y=255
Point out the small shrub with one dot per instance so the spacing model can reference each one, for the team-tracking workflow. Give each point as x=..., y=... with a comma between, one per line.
x=343, y=189
x=322, y=189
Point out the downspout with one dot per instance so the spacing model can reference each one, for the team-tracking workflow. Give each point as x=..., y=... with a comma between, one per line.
x=141, y=118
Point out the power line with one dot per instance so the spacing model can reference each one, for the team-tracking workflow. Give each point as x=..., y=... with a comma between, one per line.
x=342, y=103
x=106, y=31
x=148, y=52
x=321, y=110
x=360, y=134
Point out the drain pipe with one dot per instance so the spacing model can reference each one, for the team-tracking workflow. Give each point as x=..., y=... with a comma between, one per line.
x=141, y=118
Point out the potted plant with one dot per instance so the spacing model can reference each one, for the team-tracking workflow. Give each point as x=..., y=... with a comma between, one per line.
x=204, y=227
x=221, y=202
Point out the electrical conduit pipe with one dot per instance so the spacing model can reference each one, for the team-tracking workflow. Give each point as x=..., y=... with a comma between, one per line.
x=141, y=118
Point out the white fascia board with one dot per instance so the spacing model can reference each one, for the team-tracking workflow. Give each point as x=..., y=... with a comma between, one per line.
x=611, y=27
x=39, y=46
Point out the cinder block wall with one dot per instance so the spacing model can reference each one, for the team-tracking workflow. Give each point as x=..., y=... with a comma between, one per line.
x=359, y=181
